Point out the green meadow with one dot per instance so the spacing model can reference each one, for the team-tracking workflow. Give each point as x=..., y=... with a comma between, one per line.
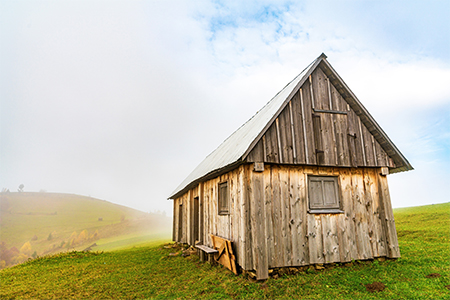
x=37, y=224
x=149, y=271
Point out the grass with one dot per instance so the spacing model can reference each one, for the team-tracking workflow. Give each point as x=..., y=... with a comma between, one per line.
x=149, y=272
x=31, y=218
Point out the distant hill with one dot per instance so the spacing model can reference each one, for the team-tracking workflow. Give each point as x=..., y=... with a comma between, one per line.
x=35, y=224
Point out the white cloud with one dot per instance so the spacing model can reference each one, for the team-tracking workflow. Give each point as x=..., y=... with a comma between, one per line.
x=122, y=101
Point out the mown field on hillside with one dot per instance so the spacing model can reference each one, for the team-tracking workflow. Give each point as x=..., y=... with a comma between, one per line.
x=150, y=272
x=36, y=224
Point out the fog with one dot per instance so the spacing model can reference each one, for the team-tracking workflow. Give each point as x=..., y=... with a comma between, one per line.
x=121, y=100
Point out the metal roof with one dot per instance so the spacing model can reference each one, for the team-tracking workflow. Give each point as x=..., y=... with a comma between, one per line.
x=238, y=144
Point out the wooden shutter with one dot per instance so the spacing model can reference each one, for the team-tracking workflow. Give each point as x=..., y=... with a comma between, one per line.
x=223, y=198
x=323, y=192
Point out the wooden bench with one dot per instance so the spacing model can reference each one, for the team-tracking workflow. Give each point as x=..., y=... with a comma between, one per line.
x=206, y=249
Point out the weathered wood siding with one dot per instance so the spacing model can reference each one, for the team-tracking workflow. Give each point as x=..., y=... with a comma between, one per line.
x=318, y=127
x=269, y=223
x=235, y=226
x=294, y=237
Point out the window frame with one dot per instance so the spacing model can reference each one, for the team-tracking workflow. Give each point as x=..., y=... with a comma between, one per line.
x=334, y=208
x=223, y=209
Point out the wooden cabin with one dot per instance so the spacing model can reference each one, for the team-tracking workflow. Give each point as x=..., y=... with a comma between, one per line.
x=302, y=182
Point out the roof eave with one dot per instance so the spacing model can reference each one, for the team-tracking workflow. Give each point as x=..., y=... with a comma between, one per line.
x=208, y=176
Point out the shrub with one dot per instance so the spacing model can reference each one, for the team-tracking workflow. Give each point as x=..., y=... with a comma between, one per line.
x=26, y=248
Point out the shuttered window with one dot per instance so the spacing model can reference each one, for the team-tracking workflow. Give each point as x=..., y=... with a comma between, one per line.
x=223, y=199
x=323, y=194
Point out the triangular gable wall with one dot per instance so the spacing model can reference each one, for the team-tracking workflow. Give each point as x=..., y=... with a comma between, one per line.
x=319, y=127
x=284, y=132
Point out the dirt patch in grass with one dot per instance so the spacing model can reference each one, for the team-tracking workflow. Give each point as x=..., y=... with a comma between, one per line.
x=375, y=287
x=433, y=275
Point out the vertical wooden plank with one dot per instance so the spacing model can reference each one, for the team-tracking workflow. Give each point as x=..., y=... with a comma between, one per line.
x=174, y=220
x=215, y=206
x=237, y=213
x=268, y=197
x=313, y=100
x=361, y=218
x=286, y=137
x=205, y=214
x=232, y=216
x=374, y=151
x=363, y=142
x=227, y=220
x=309, y=130
x=330, y=238
x=387, y=216
x=348, y=250
x=295, y=217
x=294, y=144
x=264, y=148
x=318, y=139
x=247, y=224
x=302, y=229
x=285, y=216
x=351, y=137
x=370, y=158
x=271, y=142
x=260, y=259
x=180, y=218
x=280, y=148
x=216, y=230
x=380, y=236
x=298, y=121
x=368, y=201
x=241, y=220
x=315, y=239
x=354, y=130
x=191, y=224
x=185, y=219
x=277, y=215
x=202, y=214
x=212, y=212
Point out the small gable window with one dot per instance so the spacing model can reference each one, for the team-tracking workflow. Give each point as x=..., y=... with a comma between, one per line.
x=223, y=199
x=323, y=194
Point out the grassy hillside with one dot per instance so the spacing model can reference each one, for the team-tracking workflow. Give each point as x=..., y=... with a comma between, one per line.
x=34, y=224
x=150, y=272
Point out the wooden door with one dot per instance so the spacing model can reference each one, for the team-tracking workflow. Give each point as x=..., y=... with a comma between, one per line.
x=196, y=220
x=180, y=223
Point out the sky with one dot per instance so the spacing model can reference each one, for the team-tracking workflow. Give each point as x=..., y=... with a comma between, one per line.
x=121, y=100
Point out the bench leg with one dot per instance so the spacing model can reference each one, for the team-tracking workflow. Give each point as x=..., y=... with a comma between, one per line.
x=202, y=255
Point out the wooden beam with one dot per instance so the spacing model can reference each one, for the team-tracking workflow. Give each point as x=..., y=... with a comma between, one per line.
x=387, y=218
x=280, y=150
x=362, y=141
x=374, y=151
x=333, y=127
x=304, y=127
x=259, y=243
x=292, y=133
x=329, y=95
x=312, y=94
x=330, y=111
